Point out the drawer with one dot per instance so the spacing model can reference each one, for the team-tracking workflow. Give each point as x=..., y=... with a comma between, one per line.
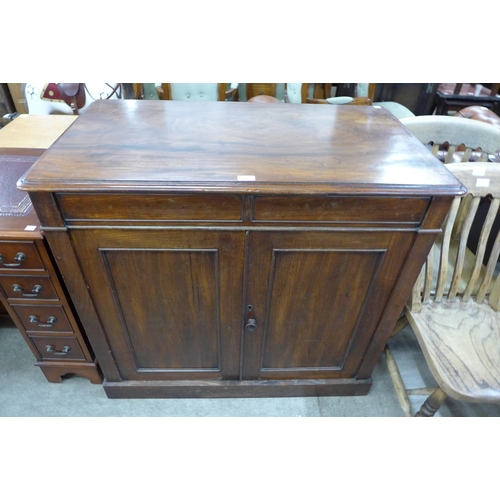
x=58, y=348
x=154, y=207
x=28, y=287
x=16, y=255
x=40, y=318
x=339, y=209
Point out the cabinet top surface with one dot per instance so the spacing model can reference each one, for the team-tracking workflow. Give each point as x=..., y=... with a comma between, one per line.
x=239, y=147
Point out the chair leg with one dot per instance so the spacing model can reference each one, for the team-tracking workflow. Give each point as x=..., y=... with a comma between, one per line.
x=432, y=404
x=398, y=383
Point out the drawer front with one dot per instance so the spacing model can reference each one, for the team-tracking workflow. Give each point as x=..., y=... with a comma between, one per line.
x=339, y=209
x=152, y=207
x=45, y=319
x=19, y=255
x=28, y=287
x=58, y=348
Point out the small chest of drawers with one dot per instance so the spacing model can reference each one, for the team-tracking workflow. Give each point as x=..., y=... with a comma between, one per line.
x=31, y=290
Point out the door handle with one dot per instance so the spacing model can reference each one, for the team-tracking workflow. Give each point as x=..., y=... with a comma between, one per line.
x=251, y=324
x=50, y=321
x=19, y=258
x=62, y=352
x=34, y=293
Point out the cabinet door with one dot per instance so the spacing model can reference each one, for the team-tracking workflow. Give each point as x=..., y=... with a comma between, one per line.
x=169, y=300
x=315, y=298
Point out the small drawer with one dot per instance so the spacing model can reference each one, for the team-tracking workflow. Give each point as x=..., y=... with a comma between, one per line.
x=58, y=348
x=28, y=287
x=339, y=209
x=19, y=255
x=153, y=207
x=45, y=319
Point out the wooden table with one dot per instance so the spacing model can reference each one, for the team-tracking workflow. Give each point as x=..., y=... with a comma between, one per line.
x=238, y=249
x=34, y=131
x=31, y=290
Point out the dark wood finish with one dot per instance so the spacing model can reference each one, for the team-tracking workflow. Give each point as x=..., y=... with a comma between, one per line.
x=315, y=149
x=28, y=287
x=31, y=290
x=192, y=281
x=338, y=209
x=237, y=389
x=58, y=347
x=178, y=314
x=170, y=207
x=311, y=323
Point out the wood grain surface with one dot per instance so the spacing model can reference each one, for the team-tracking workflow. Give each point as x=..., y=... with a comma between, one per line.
x=191, y=146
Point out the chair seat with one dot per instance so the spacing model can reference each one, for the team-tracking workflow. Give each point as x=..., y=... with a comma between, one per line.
x=461, y=344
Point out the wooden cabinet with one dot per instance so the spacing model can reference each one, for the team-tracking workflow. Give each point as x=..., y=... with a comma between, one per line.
x=226, y=249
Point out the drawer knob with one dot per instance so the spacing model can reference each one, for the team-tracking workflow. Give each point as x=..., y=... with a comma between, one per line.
x=34, y=293
x=62, y=352
x=20, y=257
x=251, y=324
x=50, y=321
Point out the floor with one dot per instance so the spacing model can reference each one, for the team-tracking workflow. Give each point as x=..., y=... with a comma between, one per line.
x=24, y=392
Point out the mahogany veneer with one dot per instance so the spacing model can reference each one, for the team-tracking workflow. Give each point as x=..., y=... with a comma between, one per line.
x=231, y=249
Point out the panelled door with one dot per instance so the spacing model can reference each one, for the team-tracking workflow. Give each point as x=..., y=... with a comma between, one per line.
x=169, y=302
x=175, y=304
x=309, y=299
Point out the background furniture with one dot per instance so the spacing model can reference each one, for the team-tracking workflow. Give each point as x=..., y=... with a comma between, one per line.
x=243, y=263
x=197, y=91
x=479, y=113
x=401, y=99
x=446, y=134
x=454, y=307
x=255, y=89
x=49, y=99
x=34, y=131
x=455, y=96
x=18, y=97
x=31, y=290
x=6, y=104
x=357, y=94
x=264, y=99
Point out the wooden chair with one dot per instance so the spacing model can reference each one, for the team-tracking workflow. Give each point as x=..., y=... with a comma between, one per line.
x=364, y=96
x=197, y=91
x=454, y=304
x=455, y=138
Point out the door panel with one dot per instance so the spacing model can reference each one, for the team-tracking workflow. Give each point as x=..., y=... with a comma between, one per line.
x=169, y=301
x=183, y=306
x=310, y=305
x=309, y=297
